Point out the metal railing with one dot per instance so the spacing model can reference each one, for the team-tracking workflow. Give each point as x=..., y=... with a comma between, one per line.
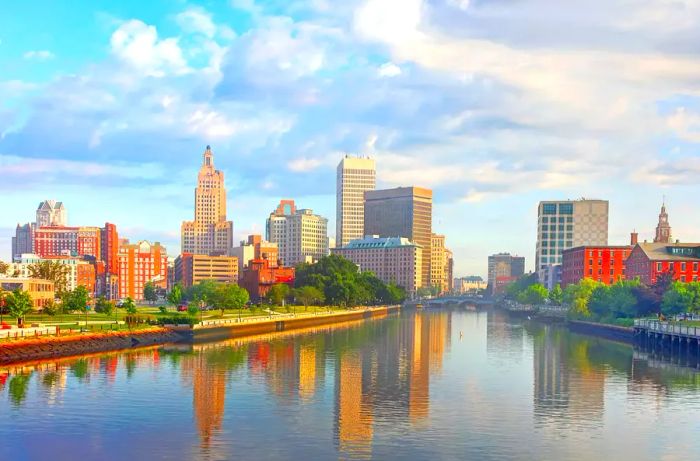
x=666, y=327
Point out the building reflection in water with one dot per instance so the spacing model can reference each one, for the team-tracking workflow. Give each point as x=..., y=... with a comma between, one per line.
x=353, y=410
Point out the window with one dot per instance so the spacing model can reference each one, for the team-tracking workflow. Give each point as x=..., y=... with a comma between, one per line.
x=566, y=208
x=549, y=208
x=658, y=267
x=545, y=219
x=683, y=266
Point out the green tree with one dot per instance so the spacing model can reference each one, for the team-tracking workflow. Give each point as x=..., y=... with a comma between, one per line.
x=19, y=303
x=104, y=306
x=4, y=267
x=610, y=302
x=175, y=295
x=277, y=293
x=193, y=308
x=424, y=292
x=129, y=306
x=150, y=293
x=577, y=295
x=50, y=308
x=392, y=294
x=308, y=295
x=76, y=300
x=231, y=296
x=681, y=297
x=534, y=294
x=54, y=271
x=556, y=295
x=203, y=291
x=513, y=289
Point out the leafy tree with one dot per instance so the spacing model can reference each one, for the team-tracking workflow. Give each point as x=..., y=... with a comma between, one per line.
x=424, y=292
x=681, y=297
x=392, y=294
x=163, y=309
x=308, y=295
x=609, y=302
x=193, y=309
x=277, y=293
x=534, y=294
x=175, y=295
x=50, y=308
x=19, y=302
x=129, y=306
x=150, y=293
x=4, y=267
x=231, y=296
x=203, y=291
x=104, y=306
x=513, y=289
x=577, y=296
x=556, y=295
x=76, y=300
x=54, y=271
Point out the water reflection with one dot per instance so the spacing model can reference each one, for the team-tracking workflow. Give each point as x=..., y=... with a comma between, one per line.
x=384, y=388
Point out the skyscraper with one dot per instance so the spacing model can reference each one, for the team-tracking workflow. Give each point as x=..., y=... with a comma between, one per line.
x=301, y=236
x=566, y=224
x=51, y=213
x=355, y=175
x=210, y=233
x=503, y=269
x=663, y=228
x=23, y=241
x=402, y=212
x=438, y=262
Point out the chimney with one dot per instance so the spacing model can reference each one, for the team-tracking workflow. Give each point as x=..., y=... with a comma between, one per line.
x=634, y=238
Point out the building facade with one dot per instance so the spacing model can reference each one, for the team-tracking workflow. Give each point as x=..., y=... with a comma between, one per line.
x=255, y=247
x=210, y=233
x=81, y=272
x=23, y=241
x=449, y=270
x=605, y=264
x=354, y=176
x=140, y=263
x=469, y=284
x=391, y=259
x=566, y=224
x=503, y=268
x=649, y=260
x=258, y=277
x=41, y=291
x=301, y=236
x=191, y=269
x=438, y=262
x=67, y=241
x=402, y=212
x=51, y=213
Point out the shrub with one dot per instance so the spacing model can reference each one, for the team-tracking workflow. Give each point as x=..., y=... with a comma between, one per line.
x=177, y=320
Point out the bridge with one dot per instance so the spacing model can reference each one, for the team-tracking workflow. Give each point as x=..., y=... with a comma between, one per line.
x=457, y=301
x=666, y=337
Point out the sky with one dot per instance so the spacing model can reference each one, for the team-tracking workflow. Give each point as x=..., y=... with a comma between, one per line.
x=494, y=104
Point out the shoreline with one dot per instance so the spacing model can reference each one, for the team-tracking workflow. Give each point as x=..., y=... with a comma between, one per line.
x=50, y=347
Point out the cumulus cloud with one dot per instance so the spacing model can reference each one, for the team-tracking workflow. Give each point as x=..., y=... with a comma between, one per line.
x=389, y=69
x=137, y=44
x=198, y=21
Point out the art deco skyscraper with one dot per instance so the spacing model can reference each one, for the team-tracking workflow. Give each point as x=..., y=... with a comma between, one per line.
x=210, y=233
x=355, y=175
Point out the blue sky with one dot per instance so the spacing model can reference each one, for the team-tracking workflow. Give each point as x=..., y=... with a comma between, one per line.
x=495, y=105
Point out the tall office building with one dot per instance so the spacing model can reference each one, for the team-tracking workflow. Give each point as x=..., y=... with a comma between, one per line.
x=301, y=236
x=402, y=212
x=210, y=233
x=504, y=268
x=23, y=241
x=355, y=176
x=566, y=224
x=51, y=213
x=438, y=262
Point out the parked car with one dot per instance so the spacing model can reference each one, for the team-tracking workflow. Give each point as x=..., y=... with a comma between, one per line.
x=182, y=308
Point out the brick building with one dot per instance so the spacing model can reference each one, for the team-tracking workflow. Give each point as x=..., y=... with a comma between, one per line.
x=191, y=269
x=605, y=264
x=259, y=277
x=648, y=260
x=140, y=263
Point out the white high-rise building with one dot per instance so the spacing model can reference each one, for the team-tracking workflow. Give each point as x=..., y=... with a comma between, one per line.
x=210, y=233
x=355, y=175
x=567, y=224
x=51, y=213
x=300, y=235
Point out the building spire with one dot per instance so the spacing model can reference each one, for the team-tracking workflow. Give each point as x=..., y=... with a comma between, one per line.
x=663, y=228
x=208, y=158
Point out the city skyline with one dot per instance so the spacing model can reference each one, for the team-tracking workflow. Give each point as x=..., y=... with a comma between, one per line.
x=101, y=116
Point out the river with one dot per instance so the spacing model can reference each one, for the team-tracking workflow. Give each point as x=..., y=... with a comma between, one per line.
x=419, y=385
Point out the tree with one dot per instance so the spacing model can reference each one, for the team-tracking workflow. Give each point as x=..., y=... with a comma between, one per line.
x=308, y=295
x=577, y=295
x=175, y=295
x=50, y=308
x=4, y=267
x=203, y=291
x=681, y=297
x=277, y=293
x=609, y=302
x=54, y=271
x=104, y=306
x=392, y=294
x=19, y=302
x=193, y=308
x=231, y=296
x=76, y=300
x=129, y=306
x=513, y=289
x=534, y=294
x=556, y=295
x=423, y=292
x=149, y=292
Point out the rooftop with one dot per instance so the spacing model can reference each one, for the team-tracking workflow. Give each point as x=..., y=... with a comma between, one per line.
x=373, y=241
x=671, y=251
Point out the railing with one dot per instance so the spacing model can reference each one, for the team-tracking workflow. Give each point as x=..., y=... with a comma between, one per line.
x=27, y=332
x=666, y=327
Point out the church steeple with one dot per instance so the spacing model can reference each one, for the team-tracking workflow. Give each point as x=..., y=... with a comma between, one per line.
x=663, y=229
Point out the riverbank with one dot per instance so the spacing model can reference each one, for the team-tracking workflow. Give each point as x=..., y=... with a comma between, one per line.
x=48, y=347
x=54, y=347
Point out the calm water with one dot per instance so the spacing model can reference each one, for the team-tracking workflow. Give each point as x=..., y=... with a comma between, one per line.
x=429, y=385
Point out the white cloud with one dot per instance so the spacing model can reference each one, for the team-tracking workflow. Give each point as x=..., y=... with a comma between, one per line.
x=137, y=44
x=303, y=164
x=196, y=20
x=389, y=69
x=39, y=55
x=461, y=4
x=685, y=124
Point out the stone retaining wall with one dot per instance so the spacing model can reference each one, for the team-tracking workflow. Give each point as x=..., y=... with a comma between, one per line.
x=52, y=347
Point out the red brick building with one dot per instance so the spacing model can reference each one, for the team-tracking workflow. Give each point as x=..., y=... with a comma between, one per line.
x=258, y=277
x=605, y=264
x=50, y=241
x=140, y=263
x=648, y=260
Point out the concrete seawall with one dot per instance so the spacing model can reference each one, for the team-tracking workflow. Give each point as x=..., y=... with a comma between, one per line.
x=614, y=332
x=53, y=347
x=236, y=330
